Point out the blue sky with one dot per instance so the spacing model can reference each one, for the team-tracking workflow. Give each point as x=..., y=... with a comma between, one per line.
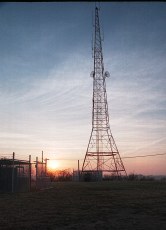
x=46, y=91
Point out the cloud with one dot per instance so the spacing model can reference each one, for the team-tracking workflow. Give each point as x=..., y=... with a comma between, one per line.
x=46, y=91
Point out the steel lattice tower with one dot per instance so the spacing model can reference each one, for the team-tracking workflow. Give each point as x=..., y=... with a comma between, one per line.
x=102, y=153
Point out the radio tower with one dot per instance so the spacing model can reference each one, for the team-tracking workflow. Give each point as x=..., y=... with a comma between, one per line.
x=102, y=153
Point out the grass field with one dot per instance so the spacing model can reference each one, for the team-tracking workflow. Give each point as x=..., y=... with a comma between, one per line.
x=87, y=205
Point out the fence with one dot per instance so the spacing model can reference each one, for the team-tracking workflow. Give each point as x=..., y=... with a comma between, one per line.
x=22, y=176
x=42, y=180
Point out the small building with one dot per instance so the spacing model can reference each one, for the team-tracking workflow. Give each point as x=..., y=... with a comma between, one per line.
x=14, y=175
x=76, y=175
x=92, y=175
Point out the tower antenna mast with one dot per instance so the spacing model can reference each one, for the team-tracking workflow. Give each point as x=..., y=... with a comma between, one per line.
x=102, y=153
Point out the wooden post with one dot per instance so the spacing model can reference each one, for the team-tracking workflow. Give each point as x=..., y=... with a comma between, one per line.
x=78, y=170
x=42, y=157
x=13, y=173
x=29, y=172
x=46, y=167
x=42, y=164
x=36, y=171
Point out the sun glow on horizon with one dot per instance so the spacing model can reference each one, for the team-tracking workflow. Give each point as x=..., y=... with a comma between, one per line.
x=53, y=165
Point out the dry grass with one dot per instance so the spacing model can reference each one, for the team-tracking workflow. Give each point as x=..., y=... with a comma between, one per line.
x=104, y=205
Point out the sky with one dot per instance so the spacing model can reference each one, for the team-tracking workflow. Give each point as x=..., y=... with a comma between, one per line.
x=46, y=89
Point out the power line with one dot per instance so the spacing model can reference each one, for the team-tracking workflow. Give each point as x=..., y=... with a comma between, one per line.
x=128, y=157
x=150, y=155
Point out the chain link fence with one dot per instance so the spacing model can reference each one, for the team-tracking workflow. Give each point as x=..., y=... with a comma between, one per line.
x=21, y=175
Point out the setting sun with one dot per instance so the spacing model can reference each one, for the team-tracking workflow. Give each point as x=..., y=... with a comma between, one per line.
x=52, y=165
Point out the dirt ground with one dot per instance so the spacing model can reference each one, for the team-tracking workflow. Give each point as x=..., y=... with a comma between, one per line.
x=87, y=206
